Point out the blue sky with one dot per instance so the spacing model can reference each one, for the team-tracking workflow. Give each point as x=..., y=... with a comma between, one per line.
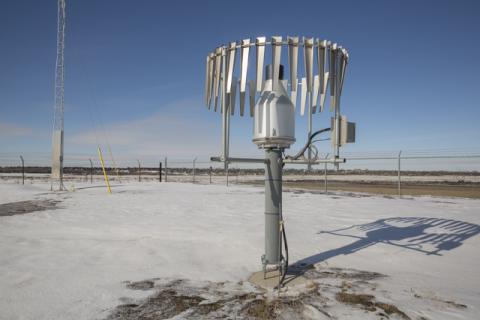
x=137, y=67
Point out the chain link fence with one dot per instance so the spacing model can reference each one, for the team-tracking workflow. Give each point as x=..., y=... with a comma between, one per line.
x=440, y=172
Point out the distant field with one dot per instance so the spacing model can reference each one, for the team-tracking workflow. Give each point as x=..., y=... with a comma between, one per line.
x=410, y=189
x=462, y=184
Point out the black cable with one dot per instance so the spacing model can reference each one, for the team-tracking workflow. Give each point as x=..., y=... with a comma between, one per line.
x=284, y=234
x=286, y=254
x=309, y=141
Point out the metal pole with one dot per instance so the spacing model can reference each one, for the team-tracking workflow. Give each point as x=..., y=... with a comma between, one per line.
x=139, y=171
x=273, y=200
x=337, y=115
x=224, y=109
x=399, y=177
x=160, y=172
x=194, y=169
x=23, y=170
x=91, y=170
x=166, y=173
x=226, y=173
x=210, y=175
x=309, y=167
x=325, y=175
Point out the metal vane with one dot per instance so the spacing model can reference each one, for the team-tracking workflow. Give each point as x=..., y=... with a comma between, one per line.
x=232, y=49
x=321, y=58
x=276, y=56
x=308, y=61
x=293, y=94
x=260, y=48
x=324, y=94
x=217, y=73
x=211, y=63
x=339, y=69
x=292, y=63
x=222, y=92
x=343, y=69
x=232, y=96
x=207, y=80
x=251, y=93
x=243, y=73
x=333, y=76
x=316, y=87
x=303, y=97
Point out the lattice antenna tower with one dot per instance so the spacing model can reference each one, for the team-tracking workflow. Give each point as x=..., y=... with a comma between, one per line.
x=57, y=139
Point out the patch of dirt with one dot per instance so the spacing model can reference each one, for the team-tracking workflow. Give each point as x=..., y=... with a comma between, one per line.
x=437, y=299
x=329, y=293
x=264, y=309
x=141, y=285
x=226, y=300
x=343, y=273
x=163, y=305
x=368, y=303
x=23, y=207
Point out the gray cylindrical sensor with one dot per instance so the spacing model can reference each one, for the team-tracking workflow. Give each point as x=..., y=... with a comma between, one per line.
x=274, y=115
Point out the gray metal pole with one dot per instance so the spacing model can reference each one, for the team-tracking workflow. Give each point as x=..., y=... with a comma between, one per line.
x=225, y=110
x=194, y=169
x=273, y=200
x=139, y=171
x=399, y=176
x=166, y=173
x=23, y=170
x=91, y=170
x=226, y=174
x=210, y=175
x=325, y=175
x=160, y=171
x=309, y=167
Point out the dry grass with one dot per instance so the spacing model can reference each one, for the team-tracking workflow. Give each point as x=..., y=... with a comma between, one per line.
x=367, y=302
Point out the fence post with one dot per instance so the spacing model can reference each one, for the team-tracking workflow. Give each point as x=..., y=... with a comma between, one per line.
x=399, y=176
x=226, y=173
x=194, y=169
x=325, y=181
x=210, y=175
x=91, y=170
x=166, y=167
x=23, y=170
x=160, y=171
x=139, y=171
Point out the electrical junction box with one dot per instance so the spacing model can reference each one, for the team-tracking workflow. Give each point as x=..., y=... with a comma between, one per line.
x=347, y=131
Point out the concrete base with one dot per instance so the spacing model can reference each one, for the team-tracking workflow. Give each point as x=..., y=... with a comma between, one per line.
x=272, y=278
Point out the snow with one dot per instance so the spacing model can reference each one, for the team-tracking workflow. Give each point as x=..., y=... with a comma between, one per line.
x=72, y=262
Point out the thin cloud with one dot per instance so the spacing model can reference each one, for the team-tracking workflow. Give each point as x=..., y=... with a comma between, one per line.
x=8, y=130
x=175, y=130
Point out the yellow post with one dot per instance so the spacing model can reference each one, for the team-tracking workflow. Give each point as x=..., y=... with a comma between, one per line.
x=103, y=168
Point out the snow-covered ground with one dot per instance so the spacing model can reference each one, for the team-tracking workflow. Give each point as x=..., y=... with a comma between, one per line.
x=72, y=262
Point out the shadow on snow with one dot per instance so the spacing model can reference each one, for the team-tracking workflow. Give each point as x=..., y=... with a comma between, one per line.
x=429, y=236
